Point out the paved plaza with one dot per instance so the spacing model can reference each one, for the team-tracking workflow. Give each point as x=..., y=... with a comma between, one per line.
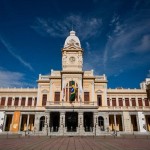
x=74, y=143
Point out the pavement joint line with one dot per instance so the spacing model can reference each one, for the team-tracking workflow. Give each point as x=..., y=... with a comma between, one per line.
x=74, y=143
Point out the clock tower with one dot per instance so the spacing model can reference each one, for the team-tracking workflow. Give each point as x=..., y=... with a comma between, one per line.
x=72, y=54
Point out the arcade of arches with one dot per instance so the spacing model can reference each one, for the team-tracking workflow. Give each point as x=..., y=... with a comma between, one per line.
x=71, y=121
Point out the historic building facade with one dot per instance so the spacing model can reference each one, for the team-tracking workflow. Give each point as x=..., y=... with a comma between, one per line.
x=97, y=110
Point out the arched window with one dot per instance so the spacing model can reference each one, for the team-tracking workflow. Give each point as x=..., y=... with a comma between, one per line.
x=101, y=123
x=42, y=121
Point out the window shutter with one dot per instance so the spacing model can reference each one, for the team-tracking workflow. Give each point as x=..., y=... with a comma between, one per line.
x=23, y=100
x=86, y=97
x=44, y=99
x=57, y=96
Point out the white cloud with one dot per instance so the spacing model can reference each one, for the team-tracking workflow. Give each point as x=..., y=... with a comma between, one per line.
x=93, y=61
x=85, y=27
x=128, y=38
x=125, y=44
x=87, y=46
x=144, y=44
x=11, y=51
x=12, y=79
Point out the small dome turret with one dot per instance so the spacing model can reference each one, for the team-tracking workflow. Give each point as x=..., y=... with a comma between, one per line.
x=72, y=40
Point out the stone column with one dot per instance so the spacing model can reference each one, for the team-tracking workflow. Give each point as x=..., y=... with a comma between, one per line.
x=26, y=102
x=13, y=100
x=137, y=103
x=123, y=100
x=80, y=123
x=28, y=121
x=5, y=118
x=50, y=93
x=46, y=124
x=20, y=98
x=36, y=122
x=110, y=101
x=6, y=101
x=130, y=102
x=48, y=121
x=33, y=99
x=117, y=102
x=106, y=122
x=96, y=130
x=93, y=93
x=115, y=121
x=143, y=102
x=137, y=121
x=62, y=123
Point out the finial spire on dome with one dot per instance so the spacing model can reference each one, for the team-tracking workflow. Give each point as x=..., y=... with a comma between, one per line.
x=72, y=33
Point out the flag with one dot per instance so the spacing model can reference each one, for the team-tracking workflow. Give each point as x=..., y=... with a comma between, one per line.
x=63, y=91
x=73, y=92
x=80, y=92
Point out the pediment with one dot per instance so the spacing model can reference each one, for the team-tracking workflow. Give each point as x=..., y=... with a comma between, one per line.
x=99, y=91
x=45, y=91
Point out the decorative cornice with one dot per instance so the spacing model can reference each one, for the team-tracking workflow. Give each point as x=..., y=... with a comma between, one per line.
x=72, y=48
x=71, y=72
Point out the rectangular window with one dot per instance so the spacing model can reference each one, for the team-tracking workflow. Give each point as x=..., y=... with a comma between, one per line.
x=57, y=97
x=127, y=101
x=113, y=101
x=86, y=97
x=30, y=101
x=16, y=102
x=99, y=100
x=140, y=101
x=23, y=100
x=133, y=101
x=9, y=103
x=35, y=101
x=3, y=101
x=44, y=99
x=108, y=102
x=146, y=102
x=120, y=102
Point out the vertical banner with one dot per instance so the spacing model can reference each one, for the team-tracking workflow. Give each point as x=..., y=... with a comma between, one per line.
x=1, y=121
x=15, y=122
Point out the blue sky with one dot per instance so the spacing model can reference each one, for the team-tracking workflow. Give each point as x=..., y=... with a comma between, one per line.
x=115, y=36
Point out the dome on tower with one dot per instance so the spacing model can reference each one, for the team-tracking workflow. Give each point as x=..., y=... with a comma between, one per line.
x=72, y=40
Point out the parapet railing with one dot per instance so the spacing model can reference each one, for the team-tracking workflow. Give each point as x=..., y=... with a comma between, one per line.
x=21, y=108
x=64, y=103
x=123, y=108
x=77, y=104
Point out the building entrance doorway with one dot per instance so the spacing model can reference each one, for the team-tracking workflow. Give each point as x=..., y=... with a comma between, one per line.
x=134, y=123
x=88, y=121
x=101, y=123
x=54, y=121
x=8, y=122
x=147, y=117
x=71, y=121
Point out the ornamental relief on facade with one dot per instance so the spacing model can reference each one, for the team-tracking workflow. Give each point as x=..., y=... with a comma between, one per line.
x=98, y=91
x=45, y=91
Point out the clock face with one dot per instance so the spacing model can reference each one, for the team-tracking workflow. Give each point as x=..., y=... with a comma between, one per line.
x=72, y=59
